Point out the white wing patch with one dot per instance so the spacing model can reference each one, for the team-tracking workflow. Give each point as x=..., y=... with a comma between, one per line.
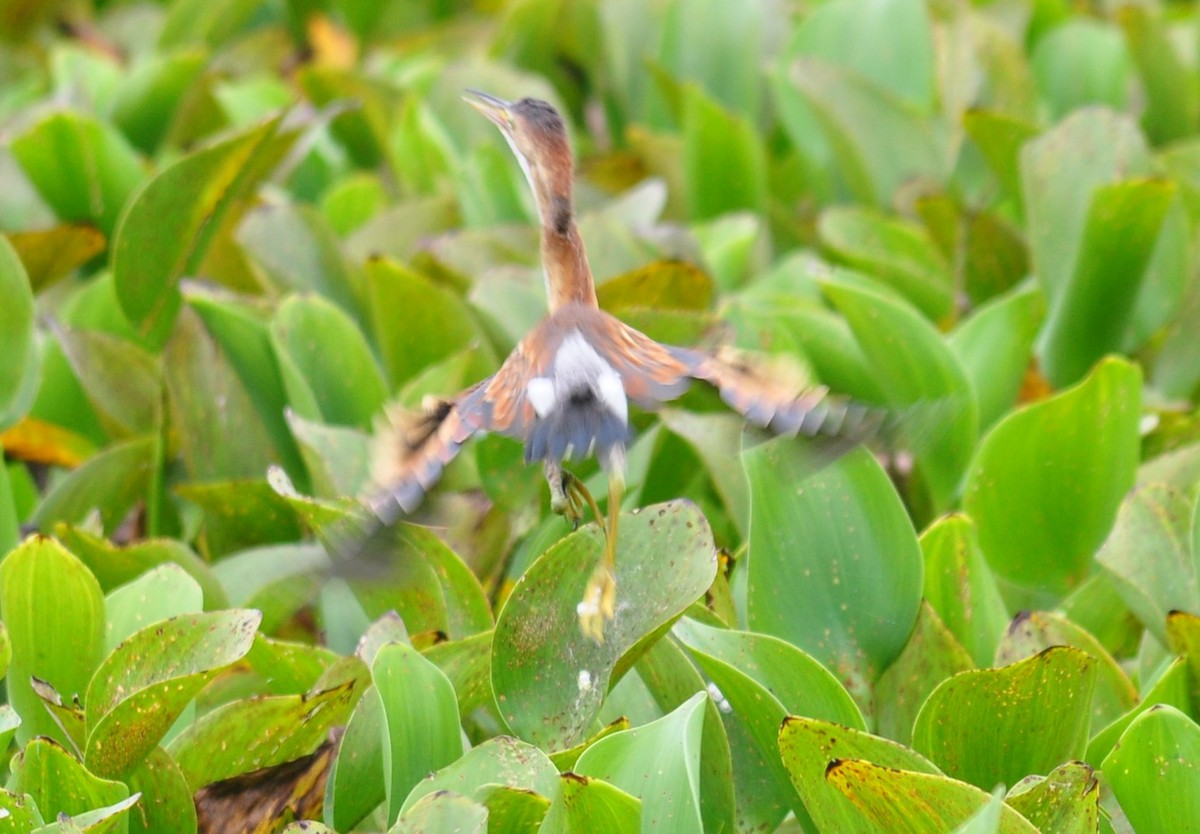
x=540, y=392
x=578, y=365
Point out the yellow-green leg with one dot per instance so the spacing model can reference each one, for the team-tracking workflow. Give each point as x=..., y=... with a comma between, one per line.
x=599, y=603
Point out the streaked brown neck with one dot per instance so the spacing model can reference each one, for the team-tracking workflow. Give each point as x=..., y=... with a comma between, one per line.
x=568, y=276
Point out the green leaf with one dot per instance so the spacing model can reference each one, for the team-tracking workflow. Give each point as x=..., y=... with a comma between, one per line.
x=123, y=381
x=1067, y=800
x=81, y=167
x=166, y=803
x=808, y=747
x=1046, y=482
x=1000, y=137
x=59, y=784
x=1172, y=106
x=723, y=159
x=171, y=223
x=583, y=805
x=161, y=593
x=916, y=371
x=1082, y=62
x=111, y=482
x=999, y=725
x=254, y=733
x=18, y=372
x=420, y=725
x=54, y=612
x=995, y=345
x=922, y=803
x=662, y=285
x=327, y=366
x=1152, y=771
x=658, y=762
x=122, y=727
x=899, y=253
x=834, y=568
x=498, y=761
x=959, y=586
x=435, y=324
x=1091, y=314
x=21, y=813
x=356, y=783
x=443, y=811
x=931, y=656
x=550, y=691
x=152, y=93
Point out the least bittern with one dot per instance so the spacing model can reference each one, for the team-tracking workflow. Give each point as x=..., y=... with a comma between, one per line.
x=565, y=390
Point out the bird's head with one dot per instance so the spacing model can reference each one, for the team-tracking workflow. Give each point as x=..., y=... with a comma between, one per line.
x=538, y=137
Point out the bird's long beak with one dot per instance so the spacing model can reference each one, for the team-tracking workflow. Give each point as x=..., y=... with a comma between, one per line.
x=496, y=109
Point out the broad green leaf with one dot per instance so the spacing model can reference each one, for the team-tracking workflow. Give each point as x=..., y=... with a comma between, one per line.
x=111, y=483
x=122, y=727
x=1036, y=631
x=1171, y=688
x=21, y=813
x=242, y=514
x=986, y=820
x=169, y=226
x=291, y=668
x=5, y=650
x=16, y=338
x=246, y=735
x=1172, y=106
x=931, y=656
x=923, y=803
x=1148, y=554
x=658, y=763
x=1046, y=482
x=1153, y=774
x=242, y=333
x=443, y=811
x=278, y=580
x=116, y=566
x=835, y=568
x=352, y=201
x=995, y=345
x=1091, y=314
x=809, y=747
x=81, y=167
x=996, y=726
x=152, y=93
x=59, y=784
x=1066, y=801
x=1082, y=62
x=123, y=381
x=959, y=586
x=1000, y=137
x=723, y=159
x=327, y=366
x=583, y=805
x=161, y=593
x=54, y=612
x=762, y=680
x=916, y=370
x=662, y=285
x=166, y=802
x=898, y=253
x=501, y=760
x=337, y=458
x=851, y=112
x=435, y=323
x=420, y=725
x=193, y=22
x=356, y=783
x=468, y=665
x=221, y=434
x=550, y=691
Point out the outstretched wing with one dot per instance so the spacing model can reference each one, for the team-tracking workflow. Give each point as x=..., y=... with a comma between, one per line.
x=653, y=373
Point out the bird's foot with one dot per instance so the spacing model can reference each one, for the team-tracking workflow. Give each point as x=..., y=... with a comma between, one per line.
x=570, y=498
x=599, y=603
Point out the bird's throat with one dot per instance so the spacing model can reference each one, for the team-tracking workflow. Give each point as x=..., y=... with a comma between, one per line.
x=568, y=276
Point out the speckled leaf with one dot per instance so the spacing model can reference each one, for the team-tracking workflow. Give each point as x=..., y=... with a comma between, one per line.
x=834, y=563
x=997, y=726
x=931, y=656
x=443, y=811
x=163, y=667
x=1153, y=771
x=659, y=763
x=1034, y=632
x=960, y=587
x=1171, y=688
x=1066, y=801
x=21, y=813
x=809, y=746
x=501, y=760
x=242, y=514
x=54, y=612
x=1046, y=482
x=160, y=593
x=420, y=725
x=166, y=802
x=921, y=803
x=584, y=805
x=58, y=783
x=258, y=732
x=550, y=691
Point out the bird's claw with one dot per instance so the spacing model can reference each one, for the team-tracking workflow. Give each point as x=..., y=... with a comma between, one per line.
x=599, y=603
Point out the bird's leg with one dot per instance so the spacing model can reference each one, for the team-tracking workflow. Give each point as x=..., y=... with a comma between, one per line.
x=599, y=602
x=568, y=495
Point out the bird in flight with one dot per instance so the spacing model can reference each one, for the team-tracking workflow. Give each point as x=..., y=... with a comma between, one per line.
x=565, y=390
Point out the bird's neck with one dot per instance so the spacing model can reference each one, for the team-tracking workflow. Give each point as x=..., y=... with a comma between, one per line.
x=568, y=276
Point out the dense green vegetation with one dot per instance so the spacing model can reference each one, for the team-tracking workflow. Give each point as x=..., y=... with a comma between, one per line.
x=234, y=229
